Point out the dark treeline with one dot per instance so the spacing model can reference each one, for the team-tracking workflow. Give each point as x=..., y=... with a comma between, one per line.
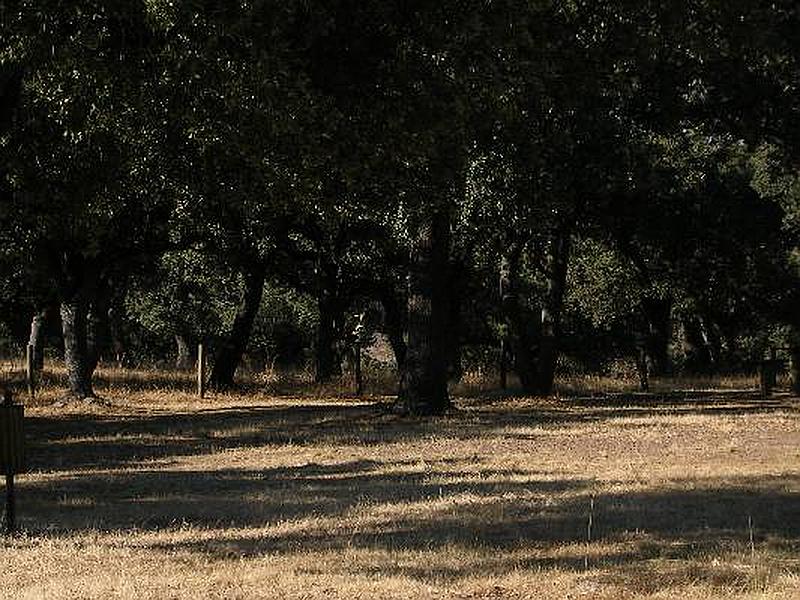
x=536, y=181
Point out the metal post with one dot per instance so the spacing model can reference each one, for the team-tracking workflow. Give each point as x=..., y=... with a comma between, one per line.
x=201, y=371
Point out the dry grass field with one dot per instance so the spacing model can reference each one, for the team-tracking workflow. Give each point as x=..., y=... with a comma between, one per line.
x=273, y=494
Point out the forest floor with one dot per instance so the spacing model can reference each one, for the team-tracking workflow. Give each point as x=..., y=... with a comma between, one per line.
x=157, y=494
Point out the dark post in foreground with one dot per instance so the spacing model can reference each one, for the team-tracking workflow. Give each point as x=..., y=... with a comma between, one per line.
x=201, y=371
x=12, y=449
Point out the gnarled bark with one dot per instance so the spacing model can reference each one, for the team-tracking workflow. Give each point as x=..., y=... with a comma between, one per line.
x=423, y=381
x=74, y=318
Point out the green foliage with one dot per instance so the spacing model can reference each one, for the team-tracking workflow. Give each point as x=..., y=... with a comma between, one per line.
x=163, y=150
x=190, y=294
x=284, y=328
x=602, y=285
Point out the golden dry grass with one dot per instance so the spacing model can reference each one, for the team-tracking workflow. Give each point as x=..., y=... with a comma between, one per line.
x=255, y=495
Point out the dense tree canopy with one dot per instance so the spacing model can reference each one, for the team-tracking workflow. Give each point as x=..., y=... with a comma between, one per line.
x=518, y=180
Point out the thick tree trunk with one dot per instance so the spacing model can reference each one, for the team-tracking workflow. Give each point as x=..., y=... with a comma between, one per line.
x=423, y=382
x=74, y=322
x=558, y=260
x=327, y=358
x=37, y=339
x=184, y=359
x=229, y=354
x=657, y=312
x=78, y=284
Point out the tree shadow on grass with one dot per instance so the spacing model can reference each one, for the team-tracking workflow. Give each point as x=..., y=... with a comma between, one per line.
x=104, y=441
x=154, y=499
x=501, y=520
x=547, y=529
x=91, y=441
x=505, y=519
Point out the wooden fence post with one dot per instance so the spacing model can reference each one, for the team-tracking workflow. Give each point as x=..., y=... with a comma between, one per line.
x=30, y=369
x=201, y=371
x=359, y=378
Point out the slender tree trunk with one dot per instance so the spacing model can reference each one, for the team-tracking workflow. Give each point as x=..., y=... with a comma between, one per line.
x=327, y=358
x=522, y=325
x=642, y=366
x=359, y=379
x=37, y=338
x=558, y=260
x=74, y=317
x=699, y=355
x=712, y=341
x=229, y=354
x=183, y=360
x=794, y=358
x=423, y=382
x=504, y=284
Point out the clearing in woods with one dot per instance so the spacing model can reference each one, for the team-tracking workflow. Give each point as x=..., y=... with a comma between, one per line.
x=158, y=495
